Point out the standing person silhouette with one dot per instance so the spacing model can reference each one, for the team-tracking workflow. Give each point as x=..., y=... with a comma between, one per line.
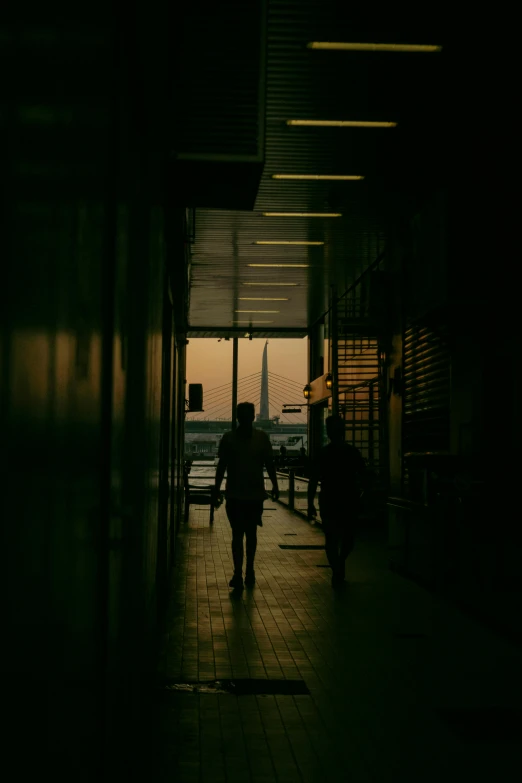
x=341, y=470
x=244, y=453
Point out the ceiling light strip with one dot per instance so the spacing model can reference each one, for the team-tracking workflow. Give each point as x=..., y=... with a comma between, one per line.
x=303, y=214
x=319, y=176
x=270, y=284
x=263, y=299
x=341, y=124
x=284, y=242
x=256, y=311
x=290, y=266
x=372, y=47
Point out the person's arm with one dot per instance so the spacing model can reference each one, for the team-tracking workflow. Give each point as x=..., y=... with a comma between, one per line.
x=221, y=466
x=272, y=475
x=271, y=470
x=313, y=481
x=220, y=473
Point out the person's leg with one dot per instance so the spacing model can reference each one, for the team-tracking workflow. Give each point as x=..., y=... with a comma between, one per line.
x=255, y=512
x=331, y=543
x=347, y=541
x=238, y=532
x=251, y=546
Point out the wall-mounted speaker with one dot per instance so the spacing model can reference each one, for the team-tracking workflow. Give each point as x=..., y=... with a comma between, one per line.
x=195, y=397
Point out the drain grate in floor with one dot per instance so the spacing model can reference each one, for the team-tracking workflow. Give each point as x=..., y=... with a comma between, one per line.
x=325, y=565
x=300, y=546
x=484, y=724
x=241, y=687
x=289, y=534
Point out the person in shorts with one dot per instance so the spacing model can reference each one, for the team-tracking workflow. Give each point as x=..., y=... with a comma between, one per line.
x=244, y=453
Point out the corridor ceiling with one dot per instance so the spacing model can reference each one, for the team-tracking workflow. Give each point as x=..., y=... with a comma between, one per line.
x=396, y=164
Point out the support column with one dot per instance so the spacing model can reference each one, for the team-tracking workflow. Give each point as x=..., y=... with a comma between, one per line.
x=234, y=381
x=315, y=369
x=334, y=340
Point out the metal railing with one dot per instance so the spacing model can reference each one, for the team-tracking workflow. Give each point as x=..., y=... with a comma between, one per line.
x=293, y=492
x=293, y=489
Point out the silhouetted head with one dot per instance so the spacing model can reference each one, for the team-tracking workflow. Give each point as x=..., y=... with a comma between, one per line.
x=335, y=428
x=246, y=413
x=282, y=450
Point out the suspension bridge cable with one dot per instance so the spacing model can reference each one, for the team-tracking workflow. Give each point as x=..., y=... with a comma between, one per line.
x=286, y=401
x=284, y=387
x=228, y=392
x=286, y=379
x=275, y=393
x=224, y=408
x=226, y=388
x=278, y=399
x=288, y=389
x=291, y=393
x=274, y=378
x=214, y=388
x=221, y=405
x=222, y=402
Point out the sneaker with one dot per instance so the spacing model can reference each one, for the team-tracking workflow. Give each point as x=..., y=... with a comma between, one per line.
x=236, y=581
x=250, y=578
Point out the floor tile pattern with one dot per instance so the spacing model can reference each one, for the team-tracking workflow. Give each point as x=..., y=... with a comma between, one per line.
x=384, y=661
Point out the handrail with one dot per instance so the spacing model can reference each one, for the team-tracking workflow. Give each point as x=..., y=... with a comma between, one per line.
x=355, y=283
x=291, y=502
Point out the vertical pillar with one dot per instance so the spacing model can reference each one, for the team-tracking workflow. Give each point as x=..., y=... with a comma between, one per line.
x=264, y=408
x=234, y=380
x=334, y=341
x=291, y=489
x=371, y=423
x=315, y=369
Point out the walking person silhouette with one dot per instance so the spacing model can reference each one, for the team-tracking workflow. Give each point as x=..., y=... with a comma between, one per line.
x=341, y=470
x=244, y=453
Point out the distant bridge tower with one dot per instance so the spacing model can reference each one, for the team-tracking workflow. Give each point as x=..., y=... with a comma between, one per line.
x=264, y=412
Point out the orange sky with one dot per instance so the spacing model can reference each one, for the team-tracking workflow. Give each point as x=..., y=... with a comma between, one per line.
x=210, y=362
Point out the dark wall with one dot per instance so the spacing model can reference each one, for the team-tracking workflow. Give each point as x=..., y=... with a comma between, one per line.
x=471, y=545
x=90, y=386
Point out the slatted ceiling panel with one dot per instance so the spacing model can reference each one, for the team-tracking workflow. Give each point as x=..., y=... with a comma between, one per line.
x=224, y=92
x=306, y=84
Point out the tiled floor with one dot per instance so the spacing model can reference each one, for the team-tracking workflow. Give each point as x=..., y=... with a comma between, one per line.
x=380, y=657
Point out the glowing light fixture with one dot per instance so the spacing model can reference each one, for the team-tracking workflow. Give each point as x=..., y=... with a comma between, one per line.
x=246, y=321
x=307, y=391
x=263, y=299
x=372, y=47
x=303, y=214
x=318, y=176
x=256, y=311
x=263, y=284
x=328, y=381
x=285, y=242
x=341, y=124
x=282, y=266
